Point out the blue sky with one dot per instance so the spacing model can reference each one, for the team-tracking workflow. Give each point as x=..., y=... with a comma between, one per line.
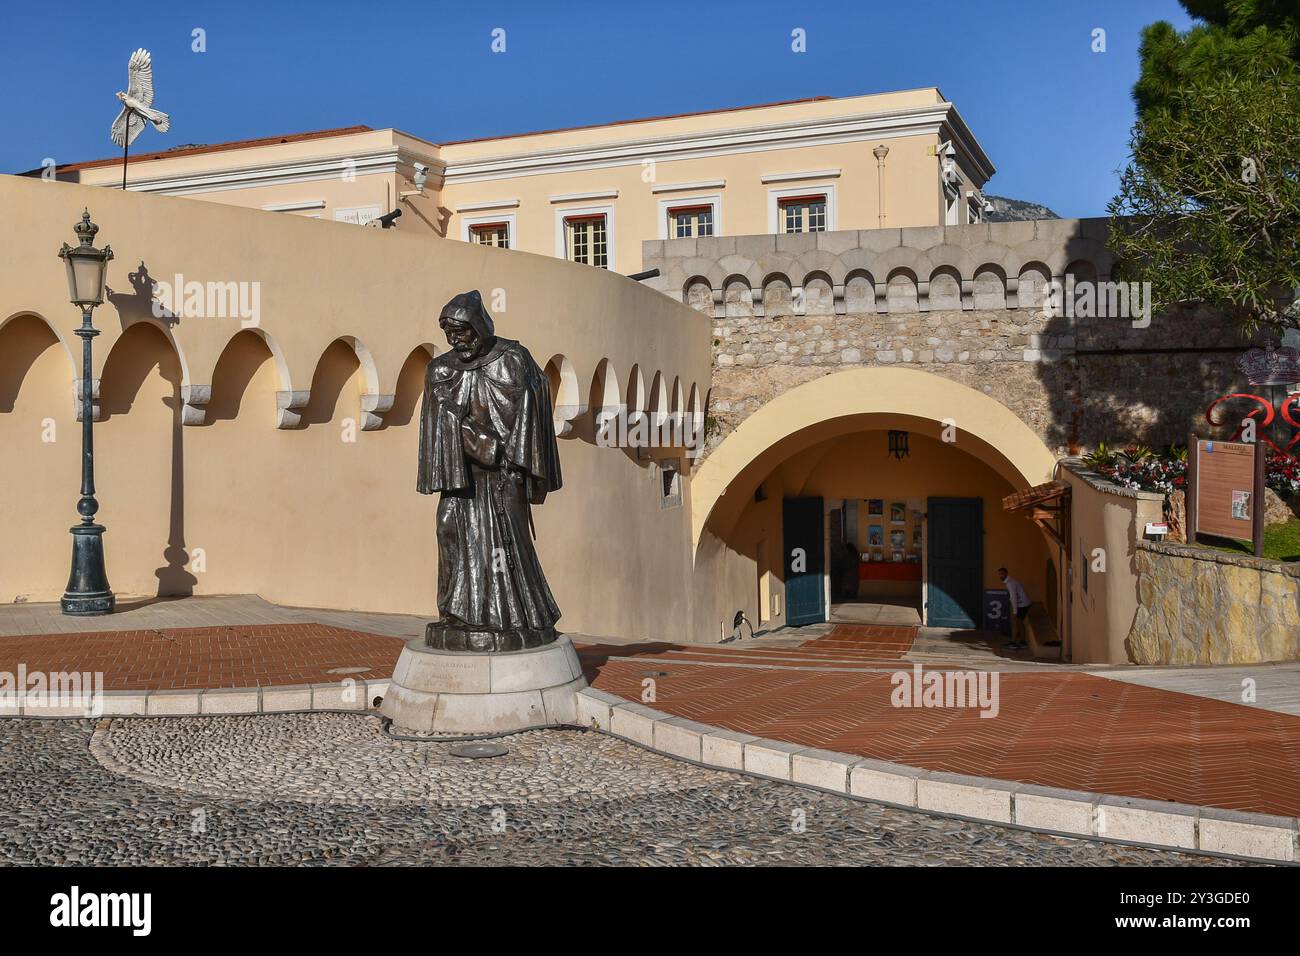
x=1053, y=115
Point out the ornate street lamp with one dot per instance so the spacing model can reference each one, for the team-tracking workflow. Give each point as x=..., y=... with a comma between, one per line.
x=88, y=591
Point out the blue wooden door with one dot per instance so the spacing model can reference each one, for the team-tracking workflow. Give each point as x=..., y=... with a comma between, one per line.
x=955, y=566
x=805, y=598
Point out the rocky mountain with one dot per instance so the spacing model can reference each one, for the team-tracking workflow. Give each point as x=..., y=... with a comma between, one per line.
x=1015, y=210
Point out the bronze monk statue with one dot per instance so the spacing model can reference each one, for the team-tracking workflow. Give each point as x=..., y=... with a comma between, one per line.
x=487, y=444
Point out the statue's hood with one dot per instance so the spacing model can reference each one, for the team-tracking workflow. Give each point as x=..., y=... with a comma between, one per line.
x=467, y=309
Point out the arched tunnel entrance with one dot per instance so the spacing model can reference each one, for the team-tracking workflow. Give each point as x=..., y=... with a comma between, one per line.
x=875, y=496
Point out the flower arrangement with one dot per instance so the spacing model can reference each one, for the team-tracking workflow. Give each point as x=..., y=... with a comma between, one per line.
x=1282, y=474
x=1145, y=470
x=1141, y=468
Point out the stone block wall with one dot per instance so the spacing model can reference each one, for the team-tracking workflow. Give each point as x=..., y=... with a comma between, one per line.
x=964, y=302
x=1197, y=606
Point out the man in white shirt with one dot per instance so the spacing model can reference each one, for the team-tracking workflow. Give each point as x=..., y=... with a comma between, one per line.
x=1019, y=609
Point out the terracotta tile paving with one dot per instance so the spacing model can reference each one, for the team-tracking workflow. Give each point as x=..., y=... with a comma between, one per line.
x=1068, y=730
x=749, y=656
x=885, y=640
x=847, y=645
x=1064, y=729
x=178, y=658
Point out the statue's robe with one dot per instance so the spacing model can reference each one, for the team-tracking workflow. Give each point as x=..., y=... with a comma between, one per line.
x=487, y=443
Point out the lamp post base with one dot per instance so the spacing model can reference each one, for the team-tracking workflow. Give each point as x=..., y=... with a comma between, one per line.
x=88, y=605
x=88, y=593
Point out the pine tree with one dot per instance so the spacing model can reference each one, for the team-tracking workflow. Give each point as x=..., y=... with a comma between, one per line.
x=1209, y=206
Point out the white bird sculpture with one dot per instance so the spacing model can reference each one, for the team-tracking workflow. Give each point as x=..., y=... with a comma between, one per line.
x=137, y=102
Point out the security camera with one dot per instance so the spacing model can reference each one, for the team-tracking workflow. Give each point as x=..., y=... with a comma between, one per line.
x=421, y=176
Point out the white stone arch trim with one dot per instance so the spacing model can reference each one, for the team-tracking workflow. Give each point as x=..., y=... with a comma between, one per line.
x=1019, y=454
x=566, y=400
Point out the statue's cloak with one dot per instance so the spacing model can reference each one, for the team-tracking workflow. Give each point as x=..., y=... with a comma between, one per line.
x=487, y=443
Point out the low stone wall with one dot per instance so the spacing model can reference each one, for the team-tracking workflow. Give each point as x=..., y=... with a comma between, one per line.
x=1197, y=606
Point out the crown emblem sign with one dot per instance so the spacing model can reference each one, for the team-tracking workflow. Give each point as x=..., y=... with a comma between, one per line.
x=1271, y=366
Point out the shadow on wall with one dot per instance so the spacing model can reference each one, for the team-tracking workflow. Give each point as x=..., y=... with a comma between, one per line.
x=143, y=349
x=410, y=387
x=240, y=361
x=1120, y=377
x=338, y=363
x=25, y=339
x=139, y=303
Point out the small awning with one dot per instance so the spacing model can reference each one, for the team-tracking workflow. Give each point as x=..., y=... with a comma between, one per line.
x=1045, y=494
x=1048, y=506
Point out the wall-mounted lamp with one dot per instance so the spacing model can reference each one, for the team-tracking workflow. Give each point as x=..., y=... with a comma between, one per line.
x=898, y=444
x=419, y=179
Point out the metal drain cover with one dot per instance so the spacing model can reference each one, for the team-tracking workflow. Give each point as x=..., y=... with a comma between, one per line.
x=479, y=751
x=654, y=673
x=347, y=670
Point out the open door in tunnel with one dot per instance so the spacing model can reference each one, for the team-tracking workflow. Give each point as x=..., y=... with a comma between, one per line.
x=956, y=562
x=804, y=528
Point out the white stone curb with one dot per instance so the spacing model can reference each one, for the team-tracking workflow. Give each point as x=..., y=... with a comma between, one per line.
x=336, y=695
x=1074, y=813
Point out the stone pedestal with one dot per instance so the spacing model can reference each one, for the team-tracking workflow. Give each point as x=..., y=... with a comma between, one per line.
x=461, y=692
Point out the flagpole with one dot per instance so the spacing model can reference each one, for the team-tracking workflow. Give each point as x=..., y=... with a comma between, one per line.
x=126, y=145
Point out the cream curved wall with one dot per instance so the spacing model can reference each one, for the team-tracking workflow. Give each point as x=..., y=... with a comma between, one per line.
x=203, y=491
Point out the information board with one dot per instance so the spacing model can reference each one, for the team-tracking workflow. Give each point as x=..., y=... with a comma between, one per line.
x=1225, y=489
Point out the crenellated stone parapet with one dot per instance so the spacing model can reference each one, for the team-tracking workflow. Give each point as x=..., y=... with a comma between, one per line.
x=1026, y=312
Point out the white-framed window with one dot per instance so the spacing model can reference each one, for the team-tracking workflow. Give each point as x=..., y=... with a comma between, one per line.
x=491, y=234
x=974, y=210
x=489, y=230
x=690, y=222
x=690, y=217
x=801, y=209
x=586, y=235
x=802, y=213
x=586, y=240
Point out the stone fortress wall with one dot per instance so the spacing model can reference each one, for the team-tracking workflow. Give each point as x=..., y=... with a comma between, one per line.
x=964, y=302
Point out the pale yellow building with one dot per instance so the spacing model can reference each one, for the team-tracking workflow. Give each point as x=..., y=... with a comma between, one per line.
x=592, y=194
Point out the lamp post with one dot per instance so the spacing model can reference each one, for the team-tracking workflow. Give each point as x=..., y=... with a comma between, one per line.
x=88, y=592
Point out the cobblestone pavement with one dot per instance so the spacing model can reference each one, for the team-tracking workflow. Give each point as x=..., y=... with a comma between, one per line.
x=332, y=789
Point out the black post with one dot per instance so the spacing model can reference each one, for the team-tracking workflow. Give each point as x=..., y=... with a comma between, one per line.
x=126, y=145
x=1257, y=508
x=88, y=592
x=1193, y=453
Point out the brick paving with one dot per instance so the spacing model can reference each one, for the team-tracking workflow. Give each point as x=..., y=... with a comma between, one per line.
x=881, y=639
x=247, y=655
x=1065, y=729
x=1059, y=728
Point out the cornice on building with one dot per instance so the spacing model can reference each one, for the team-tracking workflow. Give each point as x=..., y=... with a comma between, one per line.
x=386, y=160
x=938, y=118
